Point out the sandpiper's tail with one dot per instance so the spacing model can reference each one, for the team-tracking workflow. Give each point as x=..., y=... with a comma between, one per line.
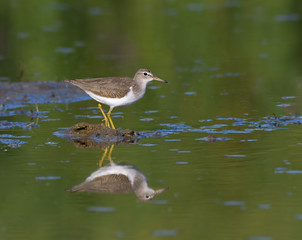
x=77, y=188
x=76, y=82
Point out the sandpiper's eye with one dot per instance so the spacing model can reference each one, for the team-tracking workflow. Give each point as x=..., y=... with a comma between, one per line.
x=145, y=73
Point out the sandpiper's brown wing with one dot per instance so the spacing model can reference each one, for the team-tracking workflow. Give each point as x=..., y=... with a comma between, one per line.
x=115, y=183
x=113, y=87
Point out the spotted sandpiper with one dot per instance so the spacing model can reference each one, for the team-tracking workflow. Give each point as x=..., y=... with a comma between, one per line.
x=116, y=91
x=118, y=178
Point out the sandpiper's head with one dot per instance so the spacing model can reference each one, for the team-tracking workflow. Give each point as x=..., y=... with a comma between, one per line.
x=146, y=75
x=149, y=194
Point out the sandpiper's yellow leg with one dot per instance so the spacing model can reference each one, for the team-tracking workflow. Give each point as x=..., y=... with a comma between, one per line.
x=110, y=120
x=103, y=157
x=104, y=115
x=105, y=154
x=110, y=152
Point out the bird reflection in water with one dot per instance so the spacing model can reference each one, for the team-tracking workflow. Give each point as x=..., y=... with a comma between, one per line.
x=117, y=179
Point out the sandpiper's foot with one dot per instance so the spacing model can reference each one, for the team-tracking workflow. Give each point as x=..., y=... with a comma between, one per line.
x=106, y=123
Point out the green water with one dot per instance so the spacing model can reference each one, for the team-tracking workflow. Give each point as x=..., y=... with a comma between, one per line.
x=226, y=61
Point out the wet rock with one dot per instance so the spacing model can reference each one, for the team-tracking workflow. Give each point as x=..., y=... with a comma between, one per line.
x=86, y=135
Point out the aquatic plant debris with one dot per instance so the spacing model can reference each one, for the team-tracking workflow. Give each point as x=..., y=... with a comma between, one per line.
x=86, y=135
x=13, y=143
x=5, y=125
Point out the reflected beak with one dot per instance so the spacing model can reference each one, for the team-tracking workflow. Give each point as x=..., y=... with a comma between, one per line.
x=159, y=79
x=158, y=191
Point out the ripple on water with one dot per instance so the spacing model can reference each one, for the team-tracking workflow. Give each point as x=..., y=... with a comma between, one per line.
x=285, y=171
x=146, y=119
x=101, y=209
x=153, y=87
x=50, y=119
x=52, y=143
x=181, y=163
x=39, y=178
x=171, y=11
x=87, y=116
x=12, y=136
x=177, y=126
x=31, y=164
x=148, y=144
x=231, y=119
x=22, y=35
x=95, y=11
x=213, y=139
x=288, y=97
x=215, y=126
x=165, y=232
x=184, y=151
x=172, y=140
x=235, y=155
x=65, y=50
x=283, y=105
x=79, y=43
x=160, y=202
x=195, y=7
x=120, y=234
x=151, y=111
x=3, y=78
x=298, y=216
x=260, y=238
x=264, y=206
x=205, y=120
x=190, y=93
x=233, y=203
x=291, y=17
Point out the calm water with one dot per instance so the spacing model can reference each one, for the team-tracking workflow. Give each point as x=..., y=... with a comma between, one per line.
x=235, y=73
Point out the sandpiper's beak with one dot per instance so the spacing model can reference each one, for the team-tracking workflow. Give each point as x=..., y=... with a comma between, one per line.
x=158, y=191
x=159, y=79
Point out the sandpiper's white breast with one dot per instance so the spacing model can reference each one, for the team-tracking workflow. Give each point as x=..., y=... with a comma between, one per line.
x=125, y=170
x=128, y=99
